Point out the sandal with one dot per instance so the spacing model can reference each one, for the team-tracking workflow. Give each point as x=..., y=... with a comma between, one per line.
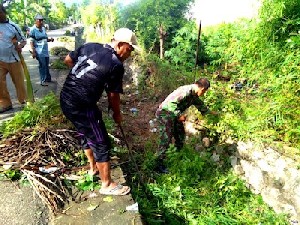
x=117, y=190
x=4, y=109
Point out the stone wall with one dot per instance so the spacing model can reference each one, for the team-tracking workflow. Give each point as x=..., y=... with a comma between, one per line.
x=266, y=171
x=271, y=174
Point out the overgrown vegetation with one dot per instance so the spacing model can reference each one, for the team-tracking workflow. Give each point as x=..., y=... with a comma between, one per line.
x=200, y=191
x=265, y=105
x=41, y=113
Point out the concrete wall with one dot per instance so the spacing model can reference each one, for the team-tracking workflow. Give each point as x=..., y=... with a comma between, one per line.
x=269, y=173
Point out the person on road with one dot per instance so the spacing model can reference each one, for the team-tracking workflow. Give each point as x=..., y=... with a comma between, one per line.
x=97, y=67
x=12, y=40
x=39, y=48
x=170, y=116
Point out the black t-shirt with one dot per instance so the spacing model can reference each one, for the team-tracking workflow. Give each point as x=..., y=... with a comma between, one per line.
x=96, y=67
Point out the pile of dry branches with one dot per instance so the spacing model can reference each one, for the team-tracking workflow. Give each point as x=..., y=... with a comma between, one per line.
x=33, y=151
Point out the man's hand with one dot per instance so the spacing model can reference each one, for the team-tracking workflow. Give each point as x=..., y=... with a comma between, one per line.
x=33, y=54
x=182, y=118
x=114, y=103
x=19, y=47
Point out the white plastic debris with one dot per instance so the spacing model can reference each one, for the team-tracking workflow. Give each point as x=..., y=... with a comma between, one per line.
x=92, y=195
x=152, y=125
x=153, y=130
x=48, y=170
x=134, y=207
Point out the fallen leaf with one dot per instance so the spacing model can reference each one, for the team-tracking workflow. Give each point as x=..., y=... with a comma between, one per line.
x=92, y=207
x=108, y=199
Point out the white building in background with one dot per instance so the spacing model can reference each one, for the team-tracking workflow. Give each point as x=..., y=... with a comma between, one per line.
x=219, y=11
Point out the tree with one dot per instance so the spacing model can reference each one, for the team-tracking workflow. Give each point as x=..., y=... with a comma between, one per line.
x=24, y=11
x=58, y=14
x=100, y=21
x=155, y=21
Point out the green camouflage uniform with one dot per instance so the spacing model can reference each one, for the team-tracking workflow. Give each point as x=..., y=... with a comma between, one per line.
x=168, y=113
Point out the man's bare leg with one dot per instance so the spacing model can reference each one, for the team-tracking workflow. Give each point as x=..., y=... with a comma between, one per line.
x=89, y=154
x=108, y=185
x=104, y=174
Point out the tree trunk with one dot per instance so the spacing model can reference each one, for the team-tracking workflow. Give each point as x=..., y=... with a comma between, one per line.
x=162, y=35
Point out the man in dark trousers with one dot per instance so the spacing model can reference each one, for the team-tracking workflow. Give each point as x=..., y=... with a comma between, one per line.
x=95, y=68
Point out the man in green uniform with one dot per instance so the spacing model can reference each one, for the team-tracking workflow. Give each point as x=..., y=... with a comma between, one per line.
x=170, y=118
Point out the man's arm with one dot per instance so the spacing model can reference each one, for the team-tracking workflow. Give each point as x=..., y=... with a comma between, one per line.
x=68, y=61
x=204, y=109
x=19, y=40
x=114, y=103
x=20, y=45
x=33, y=51
x=199, y=104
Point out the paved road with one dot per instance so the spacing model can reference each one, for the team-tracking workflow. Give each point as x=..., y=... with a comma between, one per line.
x=32, y=64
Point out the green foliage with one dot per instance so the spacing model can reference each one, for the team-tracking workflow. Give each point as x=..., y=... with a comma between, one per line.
x=23, y=12
x=11, y=174
x=145, y=17
x=223, y=45
x=163, y=77
x=99, y=21
x=68, y=33
x=58, y=14
x=87, y=183
x=184, y=46
x=266, y=107
x=279, y=19
x=60, y=51
x=58, y=64
x=198, y=190
x=42, y=112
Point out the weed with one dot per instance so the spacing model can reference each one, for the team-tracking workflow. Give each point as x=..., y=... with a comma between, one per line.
x=87, y=183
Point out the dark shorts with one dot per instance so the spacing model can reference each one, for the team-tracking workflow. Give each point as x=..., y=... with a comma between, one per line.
x=90, y=126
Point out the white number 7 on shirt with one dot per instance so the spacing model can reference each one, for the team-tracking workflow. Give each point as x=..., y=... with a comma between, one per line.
x=91, y=65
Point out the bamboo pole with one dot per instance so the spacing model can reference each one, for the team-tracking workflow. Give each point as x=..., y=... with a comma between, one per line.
x=197, y=50
x=30, y=96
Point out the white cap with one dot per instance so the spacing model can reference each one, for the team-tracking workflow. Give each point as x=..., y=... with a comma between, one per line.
x=126, y=35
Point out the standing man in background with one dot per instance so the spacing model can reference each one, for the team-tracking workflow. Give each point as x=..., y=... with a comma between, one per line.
x=39, y=46
x=12, y=40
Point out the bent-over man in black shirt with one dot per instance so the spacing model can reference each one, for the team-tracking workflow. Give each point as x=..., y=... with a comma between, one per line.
x=94, y=68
